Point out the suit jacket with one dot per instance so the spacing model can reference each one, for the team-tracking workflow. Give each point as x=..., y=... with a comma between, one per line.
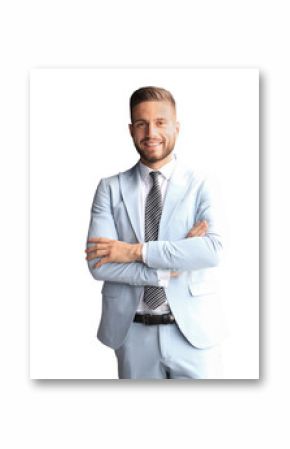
x=192, y=296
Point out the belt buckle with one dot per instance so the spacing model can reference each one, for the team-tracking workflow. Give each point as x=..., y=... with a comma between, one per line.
x=168, y=318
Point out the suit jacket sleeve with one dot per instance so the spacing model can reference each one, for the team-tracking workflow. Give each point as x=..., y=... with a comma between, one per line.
x=102, y=225
x=192, y=253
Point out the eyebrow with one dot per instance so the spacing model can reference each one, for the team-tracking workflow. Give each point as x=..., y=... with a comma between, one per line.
x=144, y=120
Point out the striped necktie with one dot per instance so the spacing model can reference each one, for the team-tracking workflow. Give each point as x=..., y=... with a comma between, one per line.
x=153, y=296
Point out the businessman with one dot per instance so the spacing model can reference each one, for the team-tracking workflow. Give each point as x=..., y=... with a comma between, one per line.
x=154, y=239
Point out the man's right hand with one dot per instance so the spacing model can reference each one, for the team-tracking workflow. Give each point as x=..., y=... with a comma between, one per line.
x=198, y=230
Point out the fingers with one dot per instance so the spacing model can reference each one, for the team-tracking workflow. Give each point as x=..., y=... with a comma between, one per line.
x=96, y=247
x=198, y=230
x=98, y=253
x=98, y=250
x=101, y=249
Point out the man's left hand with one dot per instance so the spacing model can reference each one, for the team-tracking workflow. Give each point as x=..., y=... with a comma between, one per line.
x=113, y=251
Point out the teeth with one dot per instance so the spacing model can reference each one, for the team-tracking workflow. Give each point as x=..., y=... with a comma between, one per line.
x=152, y=144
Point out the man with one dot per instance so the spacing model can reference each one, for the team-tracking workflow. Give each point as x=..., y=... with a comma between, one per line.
x=154, y=240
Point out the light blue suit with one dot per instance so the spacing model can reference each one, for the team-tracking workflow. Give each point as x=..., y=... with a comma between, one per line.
x=192, y=295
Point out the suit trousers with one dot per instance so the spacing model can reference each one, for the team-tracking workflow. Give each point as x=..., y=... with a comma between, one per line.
x=162, y=352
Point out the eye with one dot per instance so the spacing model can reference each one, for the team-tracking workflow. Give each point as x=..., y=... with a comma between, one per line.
x=160, y=123
x=139, y=125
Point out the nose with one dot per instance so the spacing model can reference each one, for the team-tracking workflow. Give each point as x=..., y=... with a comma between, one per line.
x=150, y=130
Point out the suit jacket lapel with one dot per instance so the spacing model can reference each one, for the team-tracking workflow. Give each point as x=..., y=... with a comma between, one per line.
x=130, y=188
x=179, y=184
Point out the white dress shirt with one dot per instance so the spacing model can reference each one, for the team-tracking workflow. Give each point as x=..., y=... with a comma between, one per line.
x=146, y=184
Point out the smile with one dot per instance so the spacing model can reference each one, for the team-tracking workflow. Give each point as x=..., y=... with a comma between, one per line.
x=152, y=144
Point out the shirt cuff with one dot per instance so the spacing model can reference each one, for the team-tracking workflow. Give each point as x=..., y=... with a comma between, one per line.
x=163, y=278
x=144, y=253
x=162, y=275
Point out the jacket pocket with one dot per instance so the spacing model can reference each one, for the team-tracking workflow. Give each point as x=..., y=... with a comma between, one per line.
x=203, y=288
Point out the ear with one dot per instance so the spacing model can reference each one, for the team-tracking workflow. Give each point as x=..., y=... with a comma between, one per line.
x=177, y=127
x=130, y=126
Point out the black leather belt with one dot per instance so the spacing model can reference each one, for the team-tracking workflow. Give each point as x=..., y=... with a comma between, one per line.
x=148, y=319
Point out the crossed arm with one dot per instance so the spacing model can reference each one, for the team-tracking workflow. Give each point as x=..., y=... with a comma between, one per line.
x=109, y=250
x=110, y=259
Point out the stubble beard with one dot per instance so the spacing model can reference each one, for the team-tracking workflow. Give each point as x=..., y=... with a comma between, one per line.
x=166, y=151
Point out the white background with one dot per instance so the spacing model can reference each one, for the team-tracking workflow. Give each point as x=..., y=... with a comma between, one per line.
x=87, y=413
x=78, y=134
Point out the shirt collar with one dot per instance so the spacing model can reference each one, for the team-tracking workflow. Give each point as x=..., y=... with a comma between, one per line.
x=166, y=170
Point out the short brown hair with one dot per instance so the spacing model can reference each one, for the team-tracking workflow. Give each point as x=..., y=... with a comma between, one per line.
x=150, y=93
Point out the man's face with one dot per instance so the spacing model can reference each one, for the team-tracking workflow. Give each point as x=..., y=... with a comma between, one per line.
x=154, y=130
